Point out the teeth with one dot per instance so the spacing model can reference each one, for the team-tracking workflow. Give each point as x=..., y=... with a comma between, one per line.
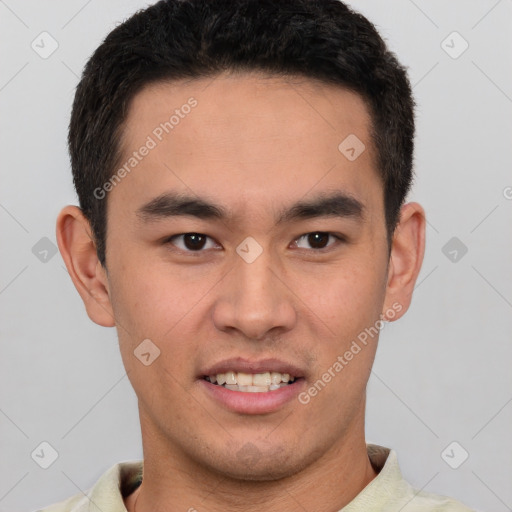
x=275, y=378
x=254, y=389
x=258, y=382
x=230, y=378
x=244, y=379
x=261, y=379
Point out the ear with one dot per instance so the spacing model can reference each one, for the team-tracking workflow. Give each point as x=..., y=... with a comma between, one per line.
x=407, y=251
x=77, y=247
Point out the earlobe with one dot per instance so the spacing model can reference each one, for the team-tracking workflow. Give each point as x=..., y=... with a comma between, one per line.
x=77, y=247
x=407, y=251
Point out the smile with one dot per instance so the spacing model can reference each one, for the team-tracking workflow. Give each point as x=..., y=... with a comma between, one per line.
x=245, y=386
x=251, y=383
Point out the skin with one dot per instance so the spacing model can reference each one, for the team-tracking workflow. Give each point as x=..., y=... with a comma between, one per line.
x=255, y=145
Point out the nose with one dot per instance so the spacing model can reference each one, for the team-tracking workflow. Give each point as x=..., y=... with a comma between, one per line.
x=254, y=299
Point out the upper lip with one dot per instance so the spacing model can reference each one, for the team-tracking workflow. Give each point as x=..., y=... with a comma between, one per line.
x=241, y=364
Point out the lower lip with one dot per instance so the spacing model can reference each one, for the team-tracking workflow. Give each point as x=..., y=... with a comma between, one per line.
x=253, y=403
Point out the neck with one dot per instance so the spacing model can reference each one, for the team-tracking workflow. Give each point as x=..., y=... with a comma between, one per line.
x=173, y=482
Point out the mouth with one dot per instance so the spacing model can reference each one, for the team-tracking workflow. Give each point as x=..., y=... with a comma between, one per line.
x=251, y=383
x=252, y=387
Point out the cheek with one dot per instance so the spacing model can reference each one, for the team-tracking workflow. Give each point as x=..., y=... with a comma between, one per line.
x=152, y=297
x=150, y=305
x=349, y=307
x=347, y=298
x=153, y=301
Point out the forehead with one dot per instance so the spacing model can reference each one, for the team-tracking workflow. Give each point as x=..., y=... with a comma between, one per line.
x=247, y=137
x=253, y=99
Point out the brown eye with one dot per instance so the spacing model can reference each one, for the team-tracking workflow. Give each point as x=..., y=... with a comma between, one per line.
x=190, y=242
x=317, y=240
x=194, y=241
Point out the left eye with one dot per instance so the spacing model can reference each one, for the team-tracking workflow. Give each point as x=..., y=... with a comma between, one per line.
x=317, y=240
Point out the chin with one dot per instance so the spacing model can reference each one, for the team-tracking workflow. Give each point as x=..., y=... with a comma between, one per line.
x=250, y=463
x=263, y=473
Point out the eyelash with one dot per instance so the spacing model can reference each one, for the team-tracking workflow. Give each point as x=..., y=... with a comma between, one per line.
x=339, y=239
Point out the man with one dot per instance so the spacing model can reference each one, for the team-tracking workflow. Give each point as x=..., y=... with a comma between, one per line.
x=242, y=169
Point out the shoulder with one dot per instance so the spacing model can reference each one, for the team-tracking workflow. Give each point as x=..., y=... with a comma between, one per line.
x=389, y=491
x=107, y=493
x=69, y=505
x=421, y=501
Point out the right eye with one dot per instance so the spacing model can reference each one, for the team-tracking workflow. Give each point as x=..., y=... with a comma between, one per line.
x=189, y=242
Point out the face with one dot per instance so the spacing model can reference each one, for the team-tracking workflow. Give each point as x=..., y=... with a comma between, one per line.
x=276, y=261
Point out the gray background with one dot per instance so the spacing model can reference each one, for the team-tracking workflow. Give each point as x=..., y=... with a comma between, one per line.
x=442, y=373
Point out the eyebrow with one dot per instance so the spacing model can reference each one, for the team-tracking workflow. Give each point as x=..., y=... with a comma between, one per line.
x=173, y=204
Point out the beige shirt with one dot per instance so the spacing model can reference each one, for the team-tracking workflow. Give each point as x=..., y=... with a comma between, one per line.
x=387, y=492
